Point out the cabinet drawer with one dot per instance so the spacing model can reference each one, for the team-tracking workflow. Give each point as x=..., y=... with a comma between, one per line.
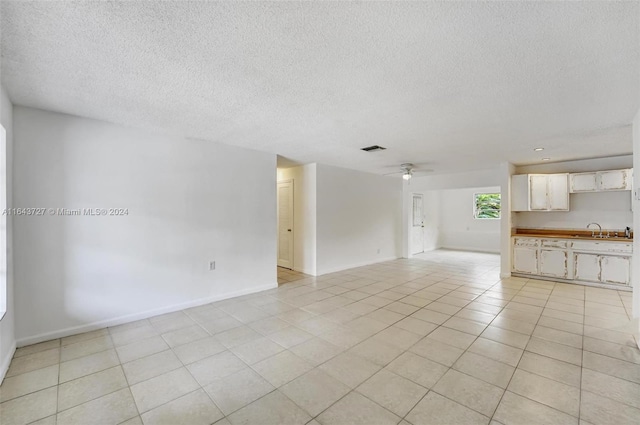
x=526, y=242
x=602, y=246
x=553, y=243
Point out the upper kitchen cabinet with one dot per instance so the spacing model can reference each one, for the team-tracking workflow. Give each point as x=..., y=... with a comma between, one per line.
x=598, y=181
x=540, y=192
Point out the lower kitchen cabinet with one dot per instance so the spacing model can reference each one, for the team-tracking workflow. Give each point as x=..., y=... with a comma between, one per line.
x=525, y=259
x=587, y=267
x=605, y=262
x=615, y=269
x=553, y=262
x=602, y=268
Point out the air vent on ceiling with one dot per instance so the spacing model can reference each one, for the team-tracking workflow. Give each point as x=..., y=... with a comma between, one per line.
x=373, y=148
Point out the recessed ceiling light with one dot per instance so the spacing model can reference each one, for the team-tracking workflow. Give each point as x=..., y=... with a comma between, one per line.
x=546, y=159
x=538, y=149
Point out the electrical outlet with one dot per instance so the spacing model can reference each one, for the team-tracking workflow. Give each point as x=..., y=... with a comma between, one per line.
x=212, y=265
x=378, y=250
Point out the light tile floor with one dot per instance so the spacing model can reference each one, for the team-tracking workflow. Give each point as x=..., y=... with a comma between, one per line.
x=434, y=340
x=288, y=275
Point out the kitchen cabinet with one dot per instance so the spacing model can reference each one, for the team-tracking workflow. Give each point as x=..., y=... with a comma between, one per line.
x=615, y=269
x=601, y=181
x=587, y=267
x=558, y=192
x=593, y=261
x=525, y=255
x=553, y=262
x=540, y=192
x=538, y=197
x=525, y=259
x=584, y=182
x=603, y=268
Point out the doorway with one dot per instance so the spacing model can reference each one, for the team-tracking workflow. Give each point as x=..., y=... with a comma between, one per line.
x=285, y=223
x=417, y=224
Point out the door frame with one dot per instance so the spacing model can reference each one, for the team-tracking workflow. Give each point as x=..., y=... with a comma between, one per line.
x=291, y=210
x=412, y=221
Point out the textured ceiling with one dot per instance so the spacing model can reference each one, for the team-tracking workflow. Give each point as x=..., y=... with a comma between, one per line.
x=453, y=86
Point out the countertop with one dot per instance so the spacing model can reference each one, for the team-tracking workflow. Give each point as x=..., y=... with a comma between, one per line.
x=573, y=234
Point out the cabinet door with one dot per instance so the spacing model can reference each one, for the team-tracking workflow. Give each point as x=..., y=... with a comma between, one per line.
x=587, y=267
x=584, y=182
x=520, y=192
x=553, y=263
x=558, y=190
x=525, y=260
x=614, y=180
x=538, y=192
x=615, y=269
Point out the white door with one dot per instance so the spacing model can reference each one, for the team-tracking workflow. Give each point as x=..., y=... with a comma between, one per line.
x=558, y=192
x=538, y=193
x=285, y=224
x=417, y=224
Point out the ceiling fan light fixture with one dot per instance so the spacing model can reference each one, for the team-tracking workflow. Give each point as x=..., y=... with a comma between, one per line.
x=407, y=169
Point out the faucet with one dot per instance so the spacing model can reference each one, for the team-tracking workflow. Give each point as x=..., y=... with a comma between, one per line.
x=593, y=232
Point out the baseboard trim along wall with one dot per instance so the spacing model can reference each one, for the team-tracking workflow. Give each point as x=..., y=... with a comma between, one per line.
x=136, y=316
x=305, y=271
x=4, y=366
x=466, y=248
x=353, y=266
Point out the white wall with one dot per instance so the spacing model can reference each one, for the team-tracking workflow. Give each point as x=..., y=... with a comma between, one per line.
x=7, y=324
x=189, y=202
x=357, y=215
x=453, y=233
x=459, y=229
x=612, y=210
x=506, y=218
x=635, y=273
x=304, y=216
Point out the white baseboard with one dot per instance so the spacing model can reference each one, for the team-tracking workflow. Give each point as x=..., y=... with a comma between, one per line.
x=4, y=365
x=353, y=266
x=466, y=248
x=47, y=336
x=305, y=271
x=505, y=275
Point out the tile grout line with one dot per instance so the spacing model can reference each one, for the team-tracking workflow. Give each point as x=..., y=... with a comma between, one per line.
x=520, y=359
x=463, y=353
x=342, y=325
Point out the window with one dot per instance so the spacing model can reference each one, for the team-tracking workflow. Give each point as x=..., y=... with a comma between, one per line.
x=486, y=205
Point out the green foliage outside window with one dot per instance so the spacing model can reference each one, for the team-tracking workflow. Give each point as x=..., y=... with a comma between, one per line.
x=487, y=205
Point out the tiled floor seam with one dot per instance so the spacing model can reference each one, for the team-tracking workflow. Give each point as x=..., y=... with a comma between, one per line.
x=584, y=310
x=518, y=364
x=450, y=291
x=451, y=368
x=127, y=381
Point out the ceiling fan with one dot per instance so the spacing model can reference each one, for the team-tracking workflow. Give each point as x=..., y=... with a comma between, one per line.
x=408, y=169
